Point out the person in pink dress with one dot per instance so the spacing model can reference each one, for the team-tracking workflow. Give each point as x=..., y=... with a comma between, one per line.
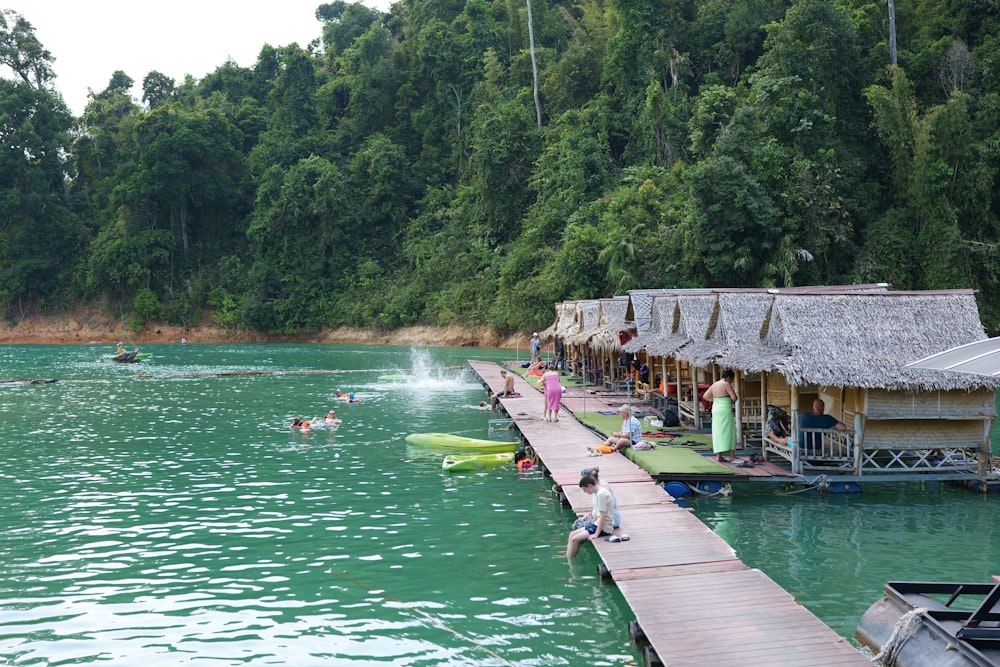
x=553, y=394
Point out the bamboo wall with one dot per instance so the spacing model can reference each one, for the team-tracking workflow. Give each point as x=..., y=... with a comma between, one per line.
x=923, y=434
x=976, y=405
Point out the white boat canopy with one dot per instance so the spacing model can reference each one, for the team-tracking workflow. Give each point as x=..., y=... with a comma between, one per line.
x=979, y=358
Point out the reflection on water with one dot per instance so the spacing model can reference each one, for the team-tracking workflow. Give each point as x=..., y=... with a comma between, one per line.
x=165, y=513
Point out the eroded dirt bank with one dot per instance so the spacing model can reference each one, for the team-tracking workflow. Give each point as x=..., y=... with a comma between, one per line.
x=97, y=328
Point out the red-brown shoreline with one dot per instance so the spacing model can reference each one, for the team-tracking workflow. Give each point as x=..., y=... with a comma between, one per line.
x=102, y=329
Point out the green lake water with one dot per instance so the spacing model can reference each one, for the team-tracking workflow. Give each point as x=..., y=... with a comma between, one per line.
x=162, y=514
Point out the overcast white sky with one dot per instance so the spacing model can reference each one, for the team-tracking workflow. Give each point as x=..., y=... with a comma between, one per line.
x=90, y=39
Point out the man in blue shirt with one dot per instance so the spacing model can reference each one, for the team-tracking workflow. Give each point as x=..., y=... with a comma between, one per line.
x=817, y=419
x=536, y=345
x=630, y=434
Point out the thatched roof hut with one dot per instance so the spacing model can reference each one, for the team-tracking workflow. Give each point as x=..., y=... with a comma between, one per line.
x=742, y=315
x=640, y=308
x=612, y=322
x=587, y=322
x=699, y=314
x=565, y=323
x=866, y=339
x=640, y=315
x=665, y=334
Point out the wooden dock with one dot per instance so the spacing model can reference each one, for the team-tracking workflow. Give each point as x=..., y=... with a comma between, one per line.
x=694, y=601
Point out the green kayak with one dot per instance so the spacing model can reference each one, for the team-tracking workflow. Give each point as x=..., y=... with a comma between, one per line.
x=449, y=441
x=476, y=461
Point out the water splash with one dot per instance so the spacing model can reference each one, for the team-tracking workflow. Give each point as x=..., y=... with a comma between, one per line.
x=427, y=376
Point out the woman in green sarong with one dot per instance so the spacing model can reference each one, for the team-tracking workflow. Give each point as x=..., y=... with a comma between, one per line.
x=723, y=396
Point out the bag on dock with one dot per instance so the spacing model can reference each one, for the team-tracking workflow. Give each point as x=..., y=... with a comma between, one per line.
x=669, y=417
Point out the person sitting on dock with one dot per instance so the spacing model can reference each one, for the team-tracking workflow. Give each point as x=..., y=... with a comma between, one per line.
x=616, y=513
x=508, y=388
x=630, y=434
x=603, y=520
x=536, y=369
x=817, y=419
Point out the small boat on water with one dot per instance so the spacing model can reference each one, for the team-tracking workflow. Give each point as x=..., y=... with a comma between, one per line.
x=459, y=462
x=449, y=441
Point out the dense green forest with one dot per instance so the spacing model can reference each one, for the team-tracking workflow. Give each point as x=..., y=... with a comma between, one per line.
x=475, y=161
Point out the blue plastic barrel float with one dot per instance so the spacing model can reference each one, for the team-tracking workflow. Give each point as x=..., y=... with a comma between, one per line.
x=677, y=489
x=709, y=487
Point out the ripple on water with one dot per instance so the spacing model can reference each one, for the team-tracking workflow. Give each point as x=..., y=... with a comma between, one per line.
x=175, y=519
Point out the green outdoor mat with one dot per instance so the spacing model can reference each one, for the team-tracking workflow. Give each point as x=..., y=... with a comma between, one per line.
x=671, y=459
x=606, y=424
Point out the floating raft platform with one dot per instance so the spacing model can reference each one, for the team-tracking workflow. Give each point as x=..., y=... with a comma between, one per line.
x=695, y=602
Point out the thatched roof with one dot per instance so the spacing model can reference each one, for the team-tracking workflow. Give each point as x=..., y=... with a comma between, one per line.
x=732, y=333
x=588, y=320
x=699, y=315
x=612, y=322
x=565, y=322
x=866, y=339
x=742, y=316
x=665, y=334
x=640, y=308
x=660, y=321
x=831, y=289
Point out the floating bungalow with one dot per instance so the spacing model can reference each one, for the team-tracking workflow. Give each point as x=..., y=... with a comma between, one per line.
x=847, y=346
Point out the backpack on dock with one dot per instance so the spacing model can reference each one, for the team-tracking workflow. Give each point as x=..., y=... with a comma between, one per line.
x=669, y=417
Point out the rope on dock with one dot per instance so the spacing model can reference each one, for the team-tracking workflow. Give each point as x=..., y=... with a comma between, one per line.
x=725, y=492
x=820, y=482
x=905, y=628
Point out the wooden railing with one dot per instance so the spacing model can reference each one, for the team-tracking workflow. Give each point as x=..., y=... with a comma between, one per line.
x=823, y=449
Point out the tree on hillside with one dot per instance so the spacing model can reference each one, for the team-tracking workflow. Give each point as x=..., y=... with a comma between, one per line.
x=21, y=51
x=41, y=237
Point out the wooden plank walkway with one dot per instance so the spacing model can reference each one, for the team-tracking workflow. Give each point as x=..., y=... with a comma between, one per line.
x=694, y=600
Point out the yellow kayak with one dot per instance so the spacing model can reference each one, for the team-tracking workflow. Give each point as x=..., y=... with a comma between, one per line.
x=449, y=441
x=476, y=461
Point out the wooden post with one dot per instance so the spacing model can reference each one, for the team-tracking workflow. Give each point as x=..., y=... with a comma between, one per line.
x=985, y=453
x=859, y=442
x=796, y=464
x=678, y=384
x=695, y=403
x=763, y=407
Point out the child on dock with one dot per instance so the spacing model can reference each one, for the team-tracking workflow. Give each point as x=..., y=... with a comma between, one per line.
x=603, y=524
